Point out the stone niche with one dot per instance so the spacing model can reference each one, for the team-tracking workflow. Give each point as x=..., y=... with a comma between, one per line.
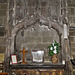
x=36, y=37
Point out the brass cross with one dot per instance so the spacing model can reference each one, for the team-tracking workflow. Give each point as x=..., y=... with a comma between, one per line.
x=24, y=55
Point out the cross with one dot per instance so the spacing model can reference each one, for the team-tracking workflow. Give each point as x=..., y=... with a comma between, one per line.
x=24, y=55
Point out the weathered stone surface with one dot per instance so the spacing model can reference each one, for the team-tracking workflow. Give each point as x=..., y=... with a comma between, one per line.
x=70, y=20
x=3, y=1
x=3, y=6
x=73, y=48
x=4, y=21
x=2, y=13
x=1, y=21
x=73, y=1
x=68, y=1
x=71, y=39
x=47, y=39
x=72, y=33
x=2, y=40
x=2, y=49
x=73, y=45
x=71, y=5
x=69, y=11
x=38, y=38
x=73, y=72
x=72, y=11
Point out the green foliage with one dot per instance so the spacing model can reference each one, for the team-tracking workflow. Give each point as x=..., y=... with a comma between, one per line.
x=54, y=48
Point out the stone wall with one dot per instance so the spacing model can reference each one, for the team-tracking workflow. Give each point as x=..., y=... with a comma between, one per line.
x=72, y=43
x=26, y=12
x=71, y=12
x=3, y=22
x=20, y=9
x=36, y=38
x=71, y=17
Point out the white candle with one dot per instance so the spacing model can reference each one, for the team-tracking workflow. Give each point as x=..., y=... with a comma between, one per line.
x=63, y=62
x=65, y=31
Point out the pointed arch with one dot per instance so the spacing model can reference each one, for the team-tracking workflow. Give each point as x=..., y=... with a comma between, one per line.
x=33, y=21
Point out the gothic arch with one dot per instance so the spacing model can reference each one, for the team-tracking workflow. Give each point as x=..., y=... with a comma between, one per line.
x=30, y=22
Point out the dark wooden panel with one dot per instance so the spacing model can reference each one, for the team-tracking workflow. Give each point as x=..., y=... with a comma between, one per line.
x=45, y=66
x=39, y=72
x=3, y=73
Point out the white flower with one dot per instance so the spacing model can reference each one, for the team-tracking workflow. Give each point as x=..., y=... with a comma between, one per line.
x=55, y=51
x=51, y=48
x=53, y=42
x=55, y=47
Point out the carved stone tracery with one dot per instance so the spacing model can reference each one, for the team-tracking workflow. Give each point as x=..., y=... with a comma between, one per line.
x=29, y=13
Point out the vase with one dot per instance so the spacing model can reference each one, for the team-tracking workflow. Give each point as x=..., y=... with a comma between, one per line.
x=55, y=58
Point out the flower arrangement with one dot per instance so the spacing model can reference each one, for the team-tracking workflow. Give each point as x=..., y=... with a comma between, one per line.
x=54, y=48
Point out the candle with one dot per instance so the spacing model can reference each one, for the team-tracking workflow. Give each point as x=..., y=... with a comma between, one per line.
x=63, y=62
x=65, y=31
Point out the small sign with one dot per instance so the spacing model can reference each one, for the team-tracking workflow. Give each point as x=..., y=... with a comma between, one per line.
x=14, y=59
